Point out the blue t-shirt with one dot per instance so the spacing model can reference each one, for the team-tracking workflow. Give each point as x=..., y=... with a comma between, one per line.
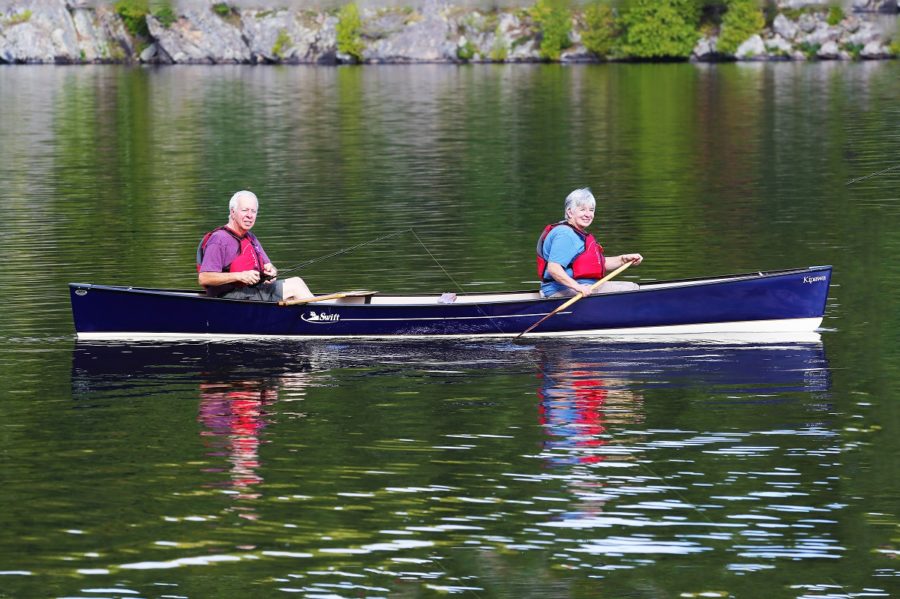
x=561, y=245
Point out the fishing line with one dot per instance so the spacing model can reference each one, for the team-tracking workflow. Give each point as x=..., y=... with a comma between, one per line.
x=345, y=250
x=852, y=181
x=458, y=286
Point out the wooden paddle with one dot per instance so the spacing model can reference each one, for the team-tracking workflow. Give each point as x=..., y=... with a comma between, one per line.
x=320, y=298
x=576, y=298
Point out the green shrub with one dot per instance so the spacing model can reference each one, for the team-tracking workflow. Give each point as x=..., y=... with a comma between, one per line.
x=835, y=15
x=854, y=50
x=222, y=9
x=809, y=49
x=349, y=40
x=600, y=30
x=165, y=15
x=134, y=15
x=466, y=51
x=499, y=50
x=18, y=18
x=555, y=20
x=742, y=20
x=660, y=28
x=282, y=42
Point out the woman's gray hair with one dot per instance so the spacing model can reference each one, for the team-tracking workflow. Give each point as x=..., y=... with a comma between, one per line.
x=232, y=203
x=579, y=197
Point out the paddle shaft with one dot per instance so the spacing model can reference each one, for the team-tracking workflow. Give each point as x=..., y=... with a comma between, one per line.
x=320, y=298
x=576, y=298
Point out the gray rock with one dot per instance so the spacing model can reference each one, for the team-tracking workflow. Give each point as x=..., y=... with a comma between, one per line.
x=101, y=35
x=778, y=46
x=829, y=51
x=385, y=23
x=753, y=48
x=576, y=53
x=705, y=48
x=287, y=36
x=199, y=36
x=424, y=38
x=784, y=27
x=851, y=23
x=807, y=23
x=477, y=33
x=528, y=50
x=875, y=49
x=795, y=4
x=866, y=32
x=37, y=31
x=149, y=53
x=823, y=34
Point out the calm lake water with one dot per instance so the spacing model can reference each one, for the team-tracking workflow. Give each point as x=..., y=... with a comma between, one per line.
x=577, y=468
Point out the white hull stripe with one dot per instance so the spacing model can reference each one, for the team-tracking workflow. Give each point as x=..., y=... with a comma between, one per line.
x=712, y=330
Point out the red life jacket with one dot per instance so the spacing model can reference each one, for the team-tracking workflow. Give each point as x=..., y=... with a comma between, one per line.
x=248, y=255
x=589, y=264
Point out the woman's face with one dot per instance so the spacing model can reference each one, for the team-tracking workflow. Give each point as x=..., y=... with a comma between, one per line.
x=581, y=215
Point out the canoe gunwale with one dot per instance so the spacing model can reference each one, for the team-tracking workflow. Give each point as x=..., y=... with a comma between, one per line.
x=527, y=296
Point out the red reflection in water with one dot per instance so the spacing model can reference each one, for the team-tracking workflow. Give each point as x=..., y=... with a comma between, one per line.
x=576, y=409
x=234, y=415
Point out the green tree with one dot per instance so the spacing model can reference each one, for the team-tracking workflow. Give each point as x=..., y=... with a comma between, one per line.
x=349, y=40
x=555, y=20
x=742, y=19
x=599, y=35
x=660, y=28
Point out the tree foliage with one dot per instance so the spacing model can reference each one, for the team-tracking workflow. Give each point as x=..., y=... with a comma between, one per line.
x=600, y=31
x=555, y=21
x=660, y=28
x=742, y=19
x=349, y=40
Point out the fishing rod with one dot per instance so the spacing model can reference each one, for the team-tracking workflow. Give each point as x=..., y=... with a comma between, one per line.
x=858, y=179
x=345, y=250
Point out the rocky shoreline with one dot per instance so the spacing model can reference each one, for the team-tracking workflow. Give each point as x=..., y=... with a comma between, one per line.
x=209, y=32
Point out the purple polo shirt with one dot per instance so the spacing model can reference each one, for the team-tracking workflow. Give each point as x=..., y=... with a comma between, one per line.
x=221, y=250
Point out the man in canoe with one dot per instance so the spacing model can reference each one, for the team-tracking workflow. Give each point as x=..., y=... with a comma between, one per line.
x=570, y=260
x=233, y=264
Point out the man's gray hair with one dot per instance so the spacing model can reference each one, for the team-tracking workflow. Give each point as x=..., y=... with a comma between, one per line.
x=232, y=203
x=579, y=197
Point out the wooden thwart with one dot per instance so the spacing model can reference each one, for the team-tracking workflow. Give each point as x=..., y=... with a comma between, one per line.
x=330, y=296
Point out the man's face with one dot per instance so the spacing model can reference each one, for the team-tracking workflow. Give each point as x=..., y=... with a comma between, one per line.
x=244, y=214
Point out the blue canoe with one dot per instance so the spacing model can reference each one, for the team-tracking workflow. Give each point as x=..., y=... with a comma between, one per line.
x=783, y=301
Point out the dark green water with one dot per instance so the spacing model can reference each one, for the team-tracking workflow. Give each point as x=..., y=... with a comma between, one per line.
x=484, y=469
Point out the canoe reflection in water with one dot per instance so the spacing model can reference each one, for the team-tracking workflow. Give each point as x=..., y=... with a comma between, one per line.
x=596, y=404
x=590, y=391
x=237, y=384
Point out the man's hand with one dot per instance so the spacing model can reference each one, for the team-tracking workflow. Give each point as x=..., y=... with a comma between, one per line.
x=247, y=277
x=270, y=272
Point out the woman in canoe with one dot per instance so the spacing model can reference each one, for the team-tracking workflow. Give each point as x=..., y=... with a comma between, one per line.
x=570, y=260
